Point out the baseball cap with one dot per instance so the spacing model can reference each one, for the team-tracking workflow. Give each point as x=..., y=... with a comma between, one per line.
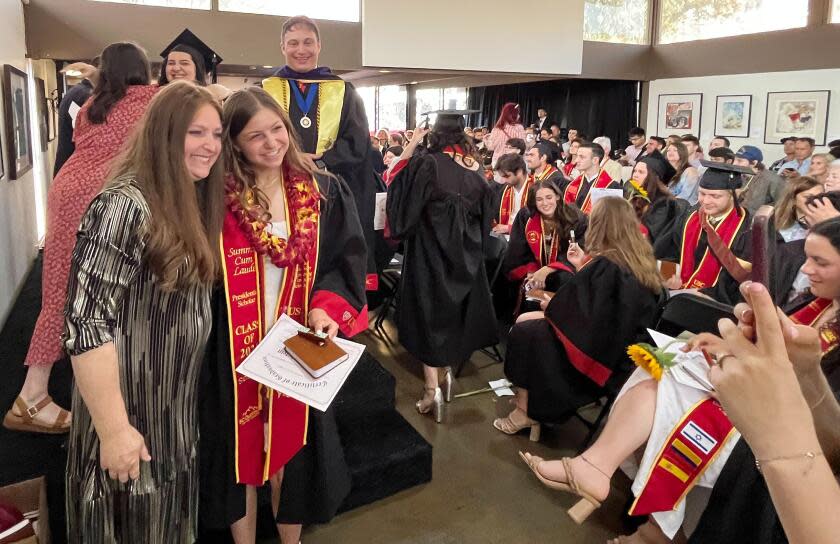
x=750, y=152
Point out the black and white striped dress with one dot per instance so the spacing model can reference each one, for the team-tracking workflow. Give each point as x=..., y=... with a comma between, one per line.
x=160, y=337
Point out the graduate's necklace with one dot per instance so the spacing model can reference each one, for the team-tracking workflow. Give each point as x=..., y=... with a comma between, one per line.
x=302, y=197
x=304, y=103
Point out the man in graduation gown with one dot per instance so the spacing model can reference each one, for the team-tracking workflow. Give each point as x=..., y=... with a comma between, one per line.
x=540, y=160
x=712, y=241
x=329, y=118
x=579, y=191
x=512, y=193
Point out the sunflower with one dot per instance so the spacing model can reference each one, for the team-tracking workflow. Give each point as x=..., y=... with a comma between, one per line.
x=651, y=359
x=638, y=190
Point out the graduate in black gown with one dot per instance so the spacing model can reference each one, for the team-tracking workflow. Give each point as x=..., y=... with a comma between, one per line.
x=441, y=207
x=576, y=354
x=329, y=118
x=540, y=237
x=318, y=231
x=655, y=206
x=715, y=269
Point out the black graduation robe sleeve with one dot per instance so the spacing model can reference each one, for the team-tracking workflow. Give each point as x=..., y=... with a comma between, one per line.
x=519, y=259
x=667, y=245
x=352, y=144
x=602, y=301
x=339, y=286
x=662, y=216
x=408, y=194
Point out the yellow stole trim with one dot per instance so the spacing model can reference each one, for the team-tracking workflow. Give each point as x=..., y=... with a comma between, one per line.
x=330, y=104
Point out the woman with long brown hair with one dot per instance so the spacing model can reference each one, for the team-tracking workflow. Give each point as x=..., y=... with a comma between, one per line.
x=684, y=184
x=540, y=237
x=563, y=362
x=655, y=206
x=790, y=213
x=291, y=244
x=121, y=95
x=137, y=319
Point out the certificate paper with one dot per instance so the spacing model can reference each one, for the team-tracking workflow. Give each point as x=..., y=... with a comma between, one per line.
x=598, y=194
x=270, y=365
x=379, y=216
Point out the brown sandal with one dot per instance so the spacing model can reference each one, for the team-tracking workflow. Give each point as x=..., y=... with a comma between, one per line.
x=25, y=420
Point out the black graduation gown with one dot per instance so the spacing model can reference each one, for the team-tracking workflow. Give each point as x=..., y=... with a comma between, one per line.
x=442, y=212
x=519, y=252
x=317, y=479
x=669, y=245
x=585, y=187
x=600, y=311
x=349, y=156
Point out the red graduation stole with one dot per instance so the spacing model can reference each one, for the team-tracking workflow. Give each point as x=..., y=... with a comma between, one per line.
x=571, y=193
x=507, y=201
x=567, y=168
x=688, y=451
x=810, y=314
x=534, y=232
x=705, y=274
x=287, y=418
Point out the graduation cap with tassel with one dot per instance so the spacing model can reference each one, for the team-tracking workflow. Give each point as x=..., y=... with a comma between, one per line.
x=451, y=118
x=188, y=42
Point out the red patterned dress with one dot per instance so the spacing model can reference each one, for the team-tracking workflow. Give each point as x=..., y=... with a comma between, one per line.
x=74, y=188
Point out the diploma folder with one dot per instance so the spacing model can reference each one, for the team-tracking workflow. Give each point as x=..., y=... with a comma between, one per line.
x=315, y=354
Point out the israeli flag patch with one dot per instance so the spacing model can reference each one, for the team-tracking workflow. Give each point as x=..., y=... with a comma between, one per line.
x=698, y=437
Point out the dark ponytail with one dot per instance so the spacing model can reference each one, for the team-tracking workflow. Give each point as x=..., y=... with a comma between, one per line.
x=122, y=64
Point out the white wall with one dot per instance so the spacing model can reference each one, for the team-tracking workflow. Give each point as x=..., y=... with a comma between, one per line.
x=758, y=85
x=19, y=233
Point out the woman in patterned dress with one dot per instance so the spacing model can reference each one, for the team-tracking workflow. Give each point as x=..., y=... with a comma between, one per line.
x=137, y=319
x=121, y=95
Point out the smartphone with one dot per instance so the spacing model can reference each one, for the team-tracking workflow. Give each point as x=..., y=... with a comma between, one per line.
x=572, y=236
x=763, y=240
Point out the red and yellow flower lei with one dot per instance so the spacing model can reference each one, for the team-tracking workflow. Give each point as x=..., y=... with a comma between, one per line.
x=303, y=198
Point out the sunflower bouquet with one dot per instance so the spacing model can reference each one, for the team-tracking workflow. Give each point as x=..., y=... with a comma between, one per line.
x=637, y=191
x=652, y=359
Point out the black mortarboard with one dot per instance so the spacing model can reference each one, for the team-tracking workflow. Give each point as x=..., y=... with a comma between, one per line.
x=657, y=165
x=449, y=119
x=722, y=176
x=187, y=40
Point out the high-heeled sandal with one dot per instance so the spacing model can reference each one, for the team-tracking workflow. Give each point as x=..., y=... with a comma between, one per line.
x=446, y=386
x=584, y=507
x=508, y=426
x=25, y=421
x=435, y=406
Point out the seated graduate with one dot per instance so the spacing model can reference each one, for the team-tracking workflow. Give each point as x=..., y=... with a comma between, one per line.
x=540, y=239
x=570, y=171
x=441, y=207
x=791, y=212
x=541, y=159
x=564, y=361
x=589, y=158
x=654, y=408
x=513, y=192
x=712, y=242
x=655, y=206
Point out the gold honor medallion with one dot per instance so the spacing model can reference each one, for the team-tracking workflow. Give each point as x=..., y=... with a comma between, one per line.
x=305, y=122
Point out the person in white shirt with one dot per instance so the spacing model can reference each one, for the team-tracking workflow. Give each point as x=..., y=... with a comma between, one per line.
x=799, y=166
x=512, y=172
x=637, y=146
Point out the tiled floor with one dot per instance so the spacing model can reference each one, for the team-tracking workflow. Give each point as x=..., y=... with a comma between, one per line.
x=480, y=492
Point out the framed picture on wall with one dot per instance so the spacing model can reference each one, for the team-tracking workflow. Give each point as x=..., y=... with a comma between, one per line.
x=17, y=135
x=732, y=115
x=803, y=114
x=679, y=114
x=2, y=158
x=43, y=112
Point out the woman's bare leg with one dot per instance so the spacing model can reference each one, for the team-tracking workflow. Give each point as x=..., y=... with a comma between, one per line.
x=289, y=533
x=627, y=429
x=35, y=387
x=244, y=531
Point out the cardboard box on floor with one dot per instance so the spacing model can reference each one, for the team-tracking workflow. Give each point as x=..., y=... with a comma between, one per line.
x=30, y=497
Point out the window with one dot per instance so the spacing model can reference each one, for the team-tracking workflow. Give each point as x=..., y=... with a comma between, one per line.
x=616, y=21
x=190, y=4
x=368, y=95
x=835, y=11
x=687, y=20
x=391, y=107
x=438, y=99
x=426, y=100
x=335, y=10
